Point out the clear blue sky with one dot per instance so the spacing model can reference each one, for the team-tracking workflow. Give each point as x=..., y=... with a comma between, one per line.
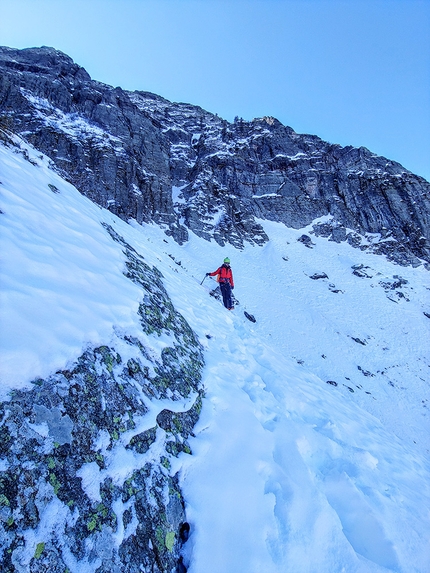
x=354, y=72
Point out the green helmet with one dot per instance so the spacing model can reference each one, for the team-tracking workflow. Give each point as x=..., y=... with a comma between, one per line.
x=226, y=260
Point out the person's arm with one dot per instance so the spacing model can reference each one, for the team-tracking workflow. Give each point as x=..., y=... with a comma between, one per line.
x=214, y=273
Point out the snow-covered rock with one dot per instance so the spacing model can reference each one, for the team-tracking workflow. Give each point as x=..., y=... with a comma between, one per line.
x=101, y=386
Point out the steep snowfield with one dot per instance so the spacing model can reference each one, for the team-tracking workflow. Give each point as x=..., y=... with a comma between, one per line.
x=311, y=453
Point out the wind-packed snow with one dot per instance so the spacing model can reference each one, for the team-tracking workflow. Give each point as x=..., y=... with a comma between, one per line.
x=311, y=452
x=59, y=270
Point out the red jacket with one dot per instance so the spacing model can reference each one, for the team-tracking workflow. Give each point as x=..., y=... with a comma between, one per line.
x=224, y=275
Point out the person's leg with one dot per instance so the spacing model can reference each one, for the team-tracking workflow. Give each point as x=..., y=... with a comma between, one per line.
x=222, y=287
x=229, y=301
x=226, y=295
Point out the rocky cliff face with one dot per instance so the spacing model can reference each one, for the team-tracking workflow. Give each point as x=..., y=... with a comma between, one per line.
x=148, y=159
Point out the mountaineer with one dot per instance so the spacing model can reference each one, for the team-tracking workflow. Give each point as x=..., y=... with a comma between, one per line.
x=226, y=282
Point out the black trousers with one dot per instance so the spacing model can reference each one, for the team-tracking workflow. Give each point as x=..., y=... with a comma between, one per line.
x=226, y=294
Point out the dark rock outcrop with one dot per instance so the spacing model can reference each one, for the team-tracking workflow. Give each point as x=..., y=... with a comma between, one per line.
x=148, y=159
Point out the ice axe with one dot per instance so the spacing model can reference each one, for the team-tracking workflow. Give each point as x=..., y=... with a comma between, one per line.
x=203, y=279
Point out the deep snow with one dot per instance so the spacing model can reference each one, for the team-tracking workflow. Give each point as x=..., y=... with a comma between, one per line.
x=289, y=473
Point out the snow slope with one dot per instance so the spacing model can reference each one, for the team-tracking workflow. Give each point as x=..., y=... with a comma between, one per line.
x=289, y=473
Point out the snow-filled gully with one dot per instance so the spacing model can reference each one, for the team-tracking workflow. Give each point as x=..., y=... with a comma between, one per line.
x=287, y=477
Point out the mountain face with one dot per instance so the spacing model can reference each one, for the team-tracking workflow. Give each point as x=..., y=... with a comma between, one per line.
x=175, y=164
x=308, y=428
